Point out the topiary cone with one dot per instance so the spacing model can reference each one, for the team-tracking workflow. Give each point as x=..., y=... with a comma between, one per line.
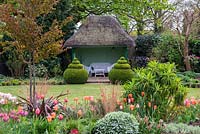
x=121, y=72
x=75, y=73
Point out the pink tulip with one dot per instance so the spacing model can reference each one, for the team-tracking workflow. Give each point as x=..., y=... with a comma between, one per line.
x=91, y=98
x=55, y=102
x=60, y=117
x=5, y=118
x=37, y=111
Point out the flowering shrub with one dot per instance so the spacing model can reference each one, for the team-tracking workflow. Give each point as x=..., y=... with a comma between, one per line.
x=156, y=89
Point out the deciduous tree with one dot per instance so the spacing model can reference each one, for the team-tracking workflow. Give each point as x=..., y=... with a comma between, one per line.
x=29, y=38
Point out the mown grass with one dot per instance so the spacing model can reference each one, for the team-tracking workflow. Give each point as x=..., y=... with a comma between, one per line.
x=76, y=90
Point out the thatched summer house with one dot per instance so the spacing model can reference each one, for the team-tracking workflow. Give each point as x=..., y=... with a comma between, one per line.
x=100, y=39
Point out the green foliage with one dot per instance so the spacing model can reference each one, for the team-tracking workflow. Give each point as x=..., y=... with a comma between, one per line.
x=62, y=10
x=121, y=71
x=75, y=73
x=145, y=44
x=117, y=123
x=189, y=78
x=150, y=127
x=194, y=47
x=168, y=49
x=7, y=81
x=159, y=85
x=180, y=128
x=188, y=114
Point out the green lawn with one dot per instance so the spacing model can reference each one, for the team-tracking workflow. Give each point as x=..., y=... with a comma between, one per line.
x=77, y=90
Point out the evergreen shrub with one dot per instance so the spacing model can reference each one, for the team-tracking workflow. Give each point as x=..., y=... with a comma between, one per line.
x=75, y=73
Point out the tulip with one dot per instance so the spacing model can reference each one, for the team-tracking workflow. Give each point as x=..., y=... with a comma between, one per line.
x=125, y=100
x=60, y=116
x=49, y=118
x=55, y=102
x=129, y=100
x=53, y=115
x=55, y=108
x=130, y=95
x=76, y=99
x=121, y=107
x=137, y=106
x=37, y=111
x=149, y=104
x=74, y=131
x=132, y=107
x=42, y=96
x=118, y=102
x=80, y=113
x=86, y=98
x=5, y=118
x=132, y=100
x=154, y=107
x=142, y=93
x=91, y=98
x=66, y=100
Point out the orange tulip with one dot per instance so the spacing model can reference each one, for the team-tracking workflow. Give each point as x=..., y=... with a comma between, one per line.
x=86, y=98
x=142, y=93
x=53, y=115
x=132, y=107
x=130, y=95
x=76, y=99
x=79, y=113
x=125, y=100
x=49, y=118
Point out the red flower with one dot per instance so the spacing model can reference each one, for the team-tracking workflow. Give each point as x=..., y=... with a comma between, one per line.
x=66, y=100
x=142, y=93
x=132, y=100
x=74, y=131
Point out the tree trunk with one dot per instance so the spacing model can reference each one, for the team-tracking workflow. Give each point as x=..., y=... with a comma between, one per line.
x=186, y=56
x=185, y=46
x=30, y=77
x=34, y=84
x=140, y=27
x=186, y=51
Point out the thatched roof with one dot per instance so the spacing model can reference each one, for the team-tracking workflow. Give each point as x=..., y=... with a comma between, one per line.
x=100, y=31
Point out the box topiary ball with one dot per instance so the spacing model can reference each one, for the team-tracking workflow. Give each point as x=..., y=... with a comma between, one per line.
x=75, y=73
x=121, y=72
x=117, y=123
